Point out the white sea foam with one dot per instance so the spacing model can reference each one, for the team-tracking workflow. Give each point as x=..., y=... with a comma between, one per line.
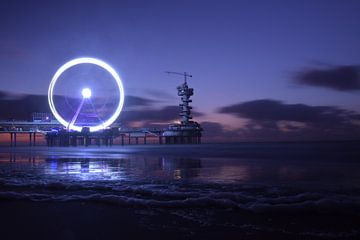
x=141, y=194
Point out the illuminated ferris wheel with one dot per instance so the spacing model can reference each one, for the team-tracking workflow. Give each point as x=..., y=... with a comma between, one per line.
x=86, y=92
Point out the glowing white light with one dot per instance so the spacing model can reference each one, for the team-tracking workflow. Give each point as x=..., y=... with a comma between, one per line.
x=86, y=93
x=99, y=63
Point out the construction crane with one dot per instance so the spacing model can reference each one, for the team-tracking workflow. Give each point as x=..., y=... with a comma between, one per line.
x=185, y=74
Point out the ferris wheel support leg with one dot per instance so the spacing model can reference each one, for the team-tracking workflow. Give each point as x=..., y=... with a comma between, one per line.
x=73, y=120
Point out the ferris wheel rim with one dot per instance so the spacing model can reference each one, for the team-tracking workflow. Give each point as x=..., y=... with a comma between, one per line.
x=86, y=60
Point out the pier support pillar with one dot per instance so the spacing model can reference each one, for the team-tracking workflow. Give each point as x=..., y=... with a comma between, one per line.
x=30, y=139
x=73, y=140
x=87, y=141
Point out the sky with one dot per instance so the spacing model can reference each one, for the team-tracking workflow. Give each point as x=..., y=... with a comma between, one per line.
x=262, y=70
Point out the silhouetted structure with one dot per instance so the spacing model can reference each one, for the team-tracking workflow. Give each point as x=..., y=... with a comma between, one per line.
x=187, y=132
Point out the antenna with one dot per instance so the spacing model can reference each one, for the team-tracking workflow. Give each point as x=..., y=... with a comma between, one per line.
x=185, y=74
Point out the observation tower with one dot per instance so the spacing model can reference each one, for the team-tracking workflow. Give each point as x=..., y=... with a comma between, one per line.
x=188, y=131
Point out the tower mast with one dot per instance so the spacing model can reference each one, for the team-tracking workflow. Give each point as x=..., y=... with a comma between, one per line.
x=185, y=93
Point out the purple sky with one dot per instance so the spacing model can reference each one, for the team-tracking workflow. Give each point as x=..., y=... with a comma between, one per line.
x=237, y=51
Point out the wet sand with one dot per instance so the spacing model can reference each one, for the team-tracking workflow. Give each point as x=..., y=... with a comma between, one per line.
x=84, y=220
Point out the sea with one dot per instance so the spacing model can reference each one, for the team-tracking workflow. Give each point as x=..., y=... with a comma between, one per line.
x=301, y=190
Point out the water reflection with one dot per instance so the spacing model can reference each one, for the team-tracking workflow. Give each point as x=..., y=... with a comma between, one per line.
x=152, y=168
x=124, y=168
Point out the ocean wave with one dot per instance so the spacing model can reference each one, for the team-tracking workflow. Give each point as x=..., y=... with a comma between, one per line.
x=174, y=195
x=244, y=207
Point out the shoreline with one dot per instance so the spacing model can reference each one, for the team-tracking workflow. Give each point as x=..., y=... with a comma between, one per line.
x=328, y=150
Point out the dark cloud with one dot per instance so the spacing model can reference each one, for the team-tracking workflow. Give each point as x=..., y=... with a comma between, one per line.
x=273, y=110
x=274, y=120
x=2, y=95
x=212, y=129
x=132, y=101
x=342, y=78
x=216, y=132
x=21, y=106
x=158, y=94
x=166, y=114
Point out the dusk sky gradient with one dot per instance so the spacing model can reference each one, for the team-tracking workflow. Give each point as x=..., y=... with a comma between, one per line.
x=282, y=52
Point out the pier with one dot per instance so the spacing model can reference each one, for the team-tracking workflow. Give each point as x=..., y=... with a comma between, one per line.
x=54, y=135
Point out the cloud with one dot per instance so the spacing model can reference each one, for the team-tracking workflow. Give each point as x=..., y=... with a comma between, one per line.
x=21, y=106
x=216, y=132
x=341, y=78
x=132, y=101
x=166, y=114
x=274, y=120
x=159, y=94
x=273, y=110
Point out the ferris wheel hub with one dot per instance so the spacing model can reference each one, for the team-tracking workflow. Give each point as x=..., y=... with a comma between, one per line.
x=86, y=93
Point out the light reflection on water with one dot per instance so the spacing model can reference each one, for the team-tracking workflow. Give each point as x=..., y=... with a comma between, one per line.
x=220, y=170
x=87, y=169
x=122, y=169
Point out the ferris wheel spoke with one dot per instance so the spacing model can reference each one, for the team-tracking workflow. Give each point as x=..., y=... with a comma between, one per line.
x=96, y=112
x=73, y=120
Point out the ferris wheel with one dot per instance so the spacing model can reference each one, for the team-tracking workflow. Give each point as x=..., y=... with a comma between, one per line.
x=86, y=92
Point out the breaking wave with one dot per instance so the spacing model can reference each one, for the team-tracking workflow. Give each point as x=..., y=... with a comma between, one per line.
x=255, y=198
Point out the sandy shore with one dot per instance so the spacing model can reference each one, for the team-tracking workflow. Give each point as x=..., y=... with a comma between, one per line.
x=79, y=220
x=84, y=220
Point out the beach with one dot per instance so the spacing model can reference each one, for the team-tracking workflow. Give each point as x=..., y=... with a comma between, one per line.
x=210, y=191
